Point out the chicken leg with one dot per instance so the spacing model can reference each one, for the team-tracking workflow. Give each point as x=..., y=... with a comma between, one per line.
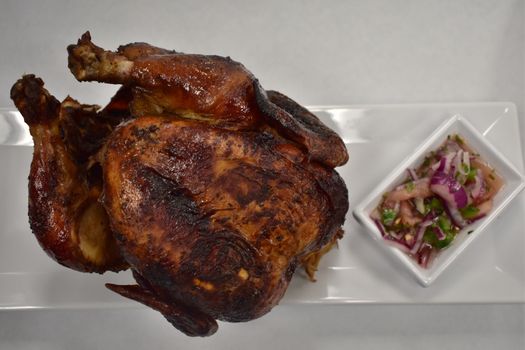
x=64, y=187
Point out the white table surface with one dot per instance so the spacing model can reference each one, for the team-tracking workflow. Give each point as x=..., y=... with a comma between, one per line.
x=317, y=52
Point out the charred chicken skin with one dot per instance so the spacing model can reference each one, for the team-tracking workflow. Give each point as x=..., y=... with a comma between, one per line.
x=209, y=188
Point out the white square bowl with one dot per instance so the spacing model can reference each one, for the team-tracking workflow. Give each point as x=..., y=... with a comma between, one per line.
x=514, y=183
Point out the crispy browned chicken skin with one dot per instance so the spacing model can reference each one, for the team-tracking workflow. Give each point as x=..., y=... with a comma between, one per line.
x=65, y=182
x=209, y=188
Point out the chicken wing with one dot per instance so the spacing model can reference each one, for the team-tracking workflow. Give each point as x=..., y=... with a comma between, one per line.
x=211, y=88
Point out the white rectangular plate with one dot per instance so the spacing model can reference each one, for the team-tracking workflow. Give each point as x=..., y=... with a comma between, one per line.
x=492, y=270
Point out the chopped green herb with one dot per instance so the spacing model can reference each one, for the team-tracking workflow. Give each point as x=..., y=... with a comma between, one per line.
x=472, y=174
x=444, y=224
x=436, y=205
x=492, y=177
x=446, y=242
x=388, y=216
x=469, y=212
x=469, y=232
x=431, y=238
x=426, y=162
x=410, y=186
x=465, y=168
x=458, y=139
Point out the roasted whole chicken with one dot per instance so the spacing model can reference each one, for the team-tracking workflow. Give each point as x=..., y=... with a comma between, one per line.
x=209, y=188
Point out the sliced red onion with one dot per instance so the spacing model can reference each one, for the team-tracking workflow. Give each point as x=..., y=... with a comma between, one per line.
x=398, y=236
x=466, y=159
x=442, y=164
x=386, y=234
x=412, y=173
x=397, y=244
x=448, y=162
x=452, y=146
x=420, y=205
x=477, y=188
x=396, y=208
x=436, y=165
x=392, y=237
x=455, y=216
x=380, y=227
x=419, y=236
x=451, y=191
x=439, y=233
x=431, y=215
x=424, y=255
x=455, y=163
x=462, y=162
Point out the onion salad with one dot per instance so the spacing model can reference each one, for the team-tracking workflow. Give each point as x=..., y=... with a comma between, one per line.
x=452, y=188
